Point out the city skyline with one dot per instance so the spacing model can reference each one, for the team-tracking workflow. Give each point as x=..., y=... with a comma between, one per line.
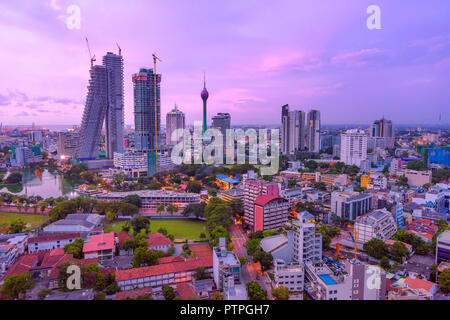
x=352, y=75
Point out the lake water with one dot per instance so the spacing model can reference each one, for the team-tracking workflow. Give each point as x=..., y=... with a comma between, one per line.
x=42, y=183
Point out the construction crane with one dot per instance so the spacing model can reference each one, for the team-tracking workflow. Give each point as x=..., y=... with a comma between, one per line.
x=155, y=59
x=120, y=50
x=90, y=54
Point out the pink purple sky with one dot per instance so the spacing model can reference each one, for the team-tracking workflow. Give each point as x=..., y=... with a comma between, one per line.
x=257, y=54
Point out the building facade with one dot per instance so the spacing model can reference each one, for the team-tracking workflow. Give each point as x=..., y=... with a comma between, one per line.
x=353, y=147
x=174, y=120
x=313, y=131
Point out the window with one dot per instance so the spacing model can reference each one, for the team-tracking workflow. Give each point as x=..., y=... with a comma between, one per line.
x=355, y=292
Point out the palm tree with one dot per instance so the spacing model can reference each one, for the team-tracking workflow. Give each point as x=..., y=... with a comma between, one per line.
x=160, y=208
x=172, y=208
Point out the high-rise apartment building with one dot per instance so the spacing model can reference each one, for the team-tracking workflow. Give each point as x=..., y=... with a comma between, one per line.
x=292, y=131
x=222, y=122
x=67, y=143
x=252, y=190
x=114, y=120
x=174, y=120
x=385, y=129
x=147, y=126
x=353, y=147
x=313, y=131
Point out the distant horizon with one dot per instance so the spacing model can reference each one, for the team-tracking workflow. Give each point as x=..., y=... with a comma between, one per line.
x=312, y=55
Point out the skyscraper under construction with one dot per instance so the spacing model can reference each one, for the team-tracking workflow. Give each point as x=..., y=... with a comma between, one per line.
x=144, y=110
x=104, y=100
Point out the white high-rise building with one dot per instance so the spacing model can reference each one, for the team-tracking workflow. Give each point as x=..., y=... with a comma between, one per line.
x=174, y=120
x=313, y=131
x=354, y=147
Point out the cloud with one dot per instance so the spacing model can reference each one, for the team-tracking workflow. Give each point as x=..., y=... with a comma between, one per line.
x=360, y=58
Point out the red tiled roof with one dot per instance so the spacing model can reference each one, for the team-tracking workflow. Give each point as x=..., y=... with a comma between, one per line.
x=420, y=284
x=186, y=291
x=182, y=266
x=201, y=250
x=54, y=237
x=104, y=241
x=171, y=259
x=133, y=294
x=265, y=199
x=82, y=263
x=57, y=252
x=157, y=239
x=108, y=271
x=122, y=236
x=23, y=264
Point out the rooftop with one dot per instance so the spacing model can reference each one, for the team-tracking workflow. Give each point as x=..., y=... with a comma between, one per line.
x=102, y=241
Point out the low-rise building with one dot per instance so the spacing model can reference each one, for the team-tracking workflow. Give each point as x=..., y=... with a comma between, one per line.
x=152, y=198
x=225, y=264
x=50, y=242
x=101, y=247
x=158, y=275
x=443, y=247
x=350, y=205
x=378, y=224
x=158, y=241
x=289, y=275
x=75, y=223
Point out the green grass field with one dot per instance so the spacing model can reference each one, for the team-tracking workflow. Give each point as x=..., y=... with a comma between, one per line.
x=32, y=220
x=186, y=229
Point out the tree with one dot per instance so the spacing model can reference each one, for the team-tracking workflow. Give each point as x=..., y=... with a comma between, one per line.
x=168, y=292
x=16, y=226
x=195, y=209
x=255, y=292
x=444, y=281
x=292, y=183
x=14, y=177
x=376, y=248
x=252, y=246
x=172, y=208
x=384, y=263
x=140, y=223
x=243, y=260
x=264, y=258
x=212, y=192
x=154, y=186
x=194, y=187
x=417, y=165
x=320, y=186
x=16, y=284
x=399, y=251
x=110, y=215
x=200, y=273
x=133, y=199
x=128, y=244
x=281, y=293
x=217, y=296
x=402, y=181
x=75, y=248
x=160, y=208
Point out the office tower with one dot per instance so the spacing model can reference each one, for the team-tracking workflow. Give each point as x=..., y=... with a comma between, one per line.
x=114, y=121
x=144, y=109
x=354, y=147
x=37, y=137
x=94, y=114
x=67, y=143
x=174, y=120
x=292, y=131
x=222, y=121
x=204, y=94
x=385, y=129
x=313, y=131
x=350, y=205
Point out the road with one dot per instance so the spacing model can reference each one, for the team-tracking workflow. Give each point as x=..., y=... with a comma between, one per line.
x=250, y=270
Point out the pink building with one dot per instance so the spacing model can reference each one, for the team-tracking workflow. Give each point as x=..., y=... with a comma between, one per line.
x=252, y=190
x=100, y=246
x=270, y=212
